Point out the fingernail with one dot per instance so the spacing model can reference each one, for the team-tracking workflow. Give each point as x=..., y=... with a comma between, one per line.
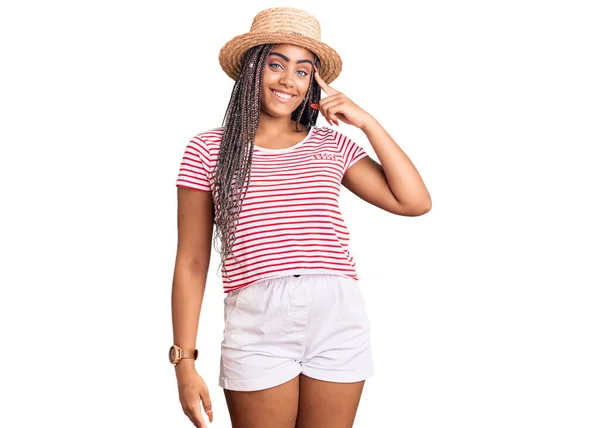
x=328, y=121
x=336, y=122
x=210, y=416
x=315, y=106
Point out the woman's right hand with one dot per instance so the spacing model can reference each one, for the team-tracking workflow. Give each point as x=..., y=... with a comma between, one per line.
x=192, y=392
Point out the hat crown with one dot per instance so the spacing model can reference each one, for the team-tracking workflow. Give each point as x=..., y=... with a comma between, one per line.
x=281, y=25
x=287, y=20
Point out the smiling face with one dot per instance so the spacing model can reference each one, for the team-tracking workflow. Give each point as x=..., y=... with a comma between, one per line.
x=286, y=79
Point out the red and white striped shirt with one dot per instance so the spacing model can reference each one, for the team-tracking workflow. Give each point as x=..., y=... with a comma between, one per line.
x=290, y=222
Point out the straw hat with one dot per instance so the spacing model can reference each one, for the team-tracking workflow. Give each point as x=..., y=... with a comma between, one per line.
x=281, y=25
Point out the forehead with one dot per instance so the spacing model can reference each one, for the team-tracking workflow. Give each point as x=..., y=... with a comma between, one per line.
x=293, y=52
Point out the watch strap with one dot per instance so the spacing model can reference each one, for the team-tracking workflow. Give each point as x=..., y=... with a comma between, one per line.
x=189, y=353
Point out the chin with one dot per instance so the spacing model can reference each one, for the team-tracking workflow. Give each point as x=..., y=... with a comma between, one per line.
x=279, y=112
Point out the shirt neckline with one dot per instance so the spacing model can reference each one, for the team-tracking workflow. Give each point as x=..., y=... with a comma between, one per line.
x=286, y=149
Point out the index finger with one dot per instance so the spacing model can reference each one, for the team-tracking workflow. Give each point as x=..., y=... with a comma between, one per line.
x=326, y=88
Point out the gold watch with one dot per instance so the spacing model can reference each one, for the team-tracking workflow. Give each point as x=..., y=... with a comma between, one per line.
x=176, y=354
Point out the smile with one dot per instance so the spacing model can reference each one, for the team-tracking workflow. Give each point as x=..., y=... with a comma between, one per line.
x=282, y=96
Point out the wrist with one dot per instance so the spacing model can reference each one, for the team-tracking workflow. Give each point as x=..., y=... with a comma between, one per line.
x=369, y=123
x=185, y=365
x=177, y=354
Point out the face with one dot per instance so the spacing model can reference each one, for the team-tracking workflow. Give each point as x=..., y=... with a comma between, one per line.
x=286, y=79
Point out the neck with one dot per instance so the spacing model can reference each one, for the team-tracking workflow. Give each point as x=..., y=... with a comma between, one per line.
x=269, y=125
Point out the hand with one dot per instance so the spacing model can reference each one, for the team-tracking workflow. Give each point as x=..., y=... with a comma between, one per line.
x=193, y=390
x=338, y=106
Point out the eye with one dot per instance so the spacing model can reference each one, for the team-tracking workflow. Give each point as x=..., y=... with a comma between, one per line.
x=304, y=73
x=274, y=65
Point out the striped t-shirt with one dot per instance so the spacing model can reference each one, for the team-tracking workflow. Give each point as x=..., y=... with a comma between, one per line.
x=290, y=222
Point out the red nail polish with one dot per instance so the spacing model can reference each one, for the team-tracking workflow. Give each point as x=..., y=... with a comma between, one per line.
x=315, y=106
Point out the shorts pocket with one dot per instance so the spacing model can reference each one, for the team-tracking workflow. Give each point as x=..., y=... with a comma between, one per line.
x=230, y=304
x=357, y=307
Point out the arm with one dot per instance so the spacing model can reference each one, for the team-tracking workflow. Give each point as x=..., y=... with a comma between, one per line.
x=395, y=185
x=195, y=231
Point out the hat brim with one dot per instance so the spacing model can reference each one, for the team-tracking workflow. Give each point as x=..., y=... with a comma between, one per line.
x=231, y=54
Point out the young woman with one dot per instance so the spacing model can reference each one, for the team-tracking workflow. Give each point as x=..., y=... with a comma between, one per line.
x=296, y=349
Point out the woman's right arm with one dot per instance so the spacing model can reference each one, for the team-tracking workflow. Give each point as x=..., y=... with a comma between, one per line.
x=194, y=238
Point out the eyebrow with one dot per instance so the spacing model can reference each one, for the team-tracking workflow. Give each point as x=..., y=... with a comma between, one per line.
x=288, y=60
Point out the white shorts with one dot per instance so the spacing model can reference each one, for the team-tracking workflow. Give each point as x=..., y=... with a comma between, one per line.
x=275, y=329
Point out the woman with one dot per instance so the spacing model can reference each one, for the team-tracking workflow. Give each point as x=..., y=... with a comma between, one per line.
x=296, y=349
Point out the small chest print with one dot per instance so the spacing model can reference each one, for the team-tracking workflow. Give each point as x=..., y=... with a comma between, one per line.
x=325, y=156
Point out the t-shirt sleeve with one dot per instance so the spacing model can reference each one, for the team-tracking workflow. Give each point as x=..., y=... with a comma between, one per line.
x=351, y=152
x=193, y=171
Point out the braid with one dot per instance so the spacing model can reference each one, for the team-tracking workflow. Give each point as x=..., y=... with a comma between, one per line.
x=232, y=172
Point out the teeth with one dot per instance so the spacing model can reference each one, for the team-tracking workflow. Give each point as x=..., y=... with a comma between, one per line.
x=280, y=95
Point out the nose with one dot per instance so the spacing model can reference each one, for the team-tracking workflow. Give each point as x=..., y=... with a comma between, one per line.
x=286, y=79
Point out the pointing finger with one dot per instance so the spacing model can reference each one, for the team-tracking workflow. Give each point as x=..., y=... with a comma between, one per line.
x=326, y=88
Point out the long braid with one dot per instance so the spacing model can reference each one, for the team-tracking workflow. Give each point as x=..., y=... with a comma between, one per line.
x=232, y=172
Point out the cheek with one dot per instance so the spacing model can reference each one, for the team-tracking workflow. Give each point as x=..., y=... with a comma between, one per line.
x=268, y=77
x=267, y=82
x=304, y=88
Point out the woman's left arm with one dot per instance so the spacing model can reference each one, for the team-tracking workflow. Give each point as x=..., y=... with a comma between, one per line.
x=396, y=171
x=395, y=185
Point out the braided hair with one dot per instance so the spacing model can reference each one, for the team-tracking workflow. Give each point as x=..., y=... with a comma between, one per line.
x=232, y=172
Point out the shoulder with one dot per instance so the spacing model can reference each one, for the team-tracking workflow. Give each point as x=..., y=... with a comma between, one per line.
x=204, y=146
x=324, y=133
x=207, y=141
x=210, y=136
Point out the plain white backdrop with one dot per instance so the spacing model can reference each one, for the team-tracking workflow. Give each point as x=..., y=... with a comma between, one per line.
x=484, y=311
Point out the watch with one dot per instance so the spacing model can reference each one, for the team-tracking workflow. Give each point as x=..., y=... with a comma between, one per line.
x=176, y=354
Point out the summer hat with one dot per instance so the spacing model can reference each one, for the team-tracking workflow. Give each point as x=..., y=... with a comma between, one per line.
x=282, y=25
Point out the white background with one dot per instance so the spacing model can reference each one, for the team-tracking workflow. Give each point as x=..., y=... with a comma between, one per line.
x=485, y=311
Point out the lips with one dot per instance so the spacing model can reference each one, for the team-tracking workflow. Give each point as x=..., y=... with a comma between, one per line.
x=281, y=96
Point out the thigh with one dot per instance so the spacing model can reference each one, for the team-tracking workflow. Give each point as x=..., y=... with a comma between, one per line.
x=275, y=407
x=327, y=404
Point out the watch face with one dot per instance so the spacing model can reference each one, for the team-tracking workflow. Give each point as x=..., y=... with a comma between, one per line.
x=172, y=354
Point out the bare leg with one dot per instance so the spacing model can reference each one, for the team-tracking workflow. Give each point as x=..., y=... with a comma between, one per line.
x=275, y=407
x=327, y=404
